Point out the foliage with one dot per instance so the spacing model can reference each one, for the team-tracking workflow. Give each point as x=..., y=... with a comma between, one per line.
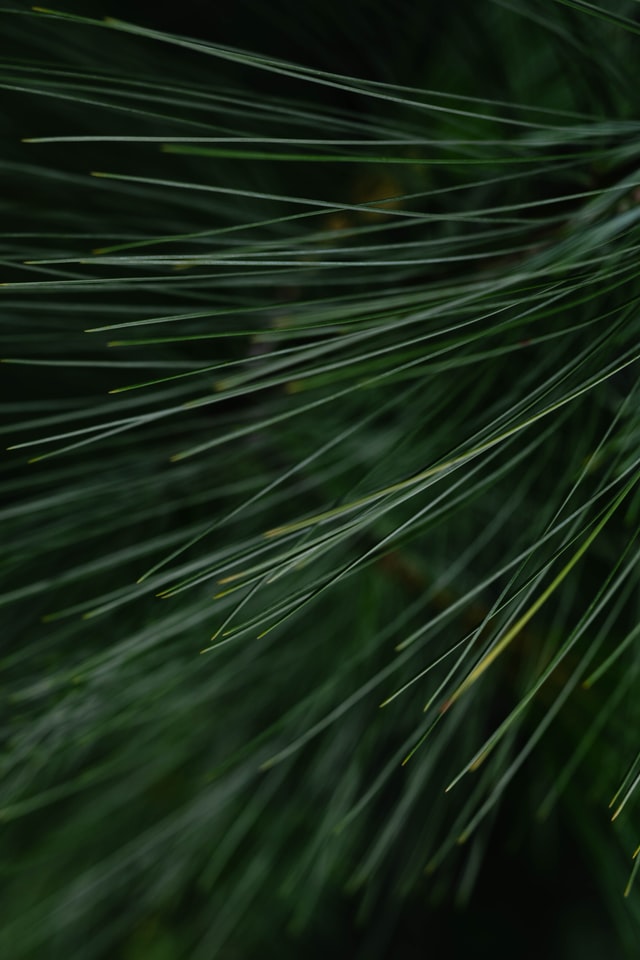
x=330, y=375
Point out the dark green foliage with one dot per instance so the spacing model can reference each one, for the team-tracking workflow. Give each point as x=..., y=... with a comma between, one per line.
x=325, y=359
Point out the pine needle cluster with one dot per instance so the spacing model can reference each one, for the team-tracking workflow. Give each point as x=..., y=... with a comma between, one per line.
x=320, y=511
